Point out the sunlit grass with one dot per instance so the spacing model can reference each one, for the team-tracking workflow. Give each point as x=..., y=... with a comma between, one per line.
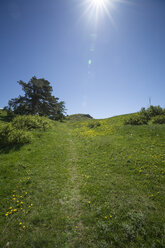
x=95, y=183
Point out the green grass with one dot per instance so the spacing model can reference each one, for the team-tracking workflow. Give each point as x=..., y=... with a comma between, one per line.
x=85, y=185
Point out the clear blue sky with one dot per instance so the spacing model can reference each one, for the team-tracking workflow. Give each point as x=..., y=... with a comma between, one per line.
x=104, y=64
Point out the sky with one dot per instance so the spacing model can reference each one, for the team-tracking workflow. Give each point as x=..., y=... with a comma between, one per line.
x=102, y=58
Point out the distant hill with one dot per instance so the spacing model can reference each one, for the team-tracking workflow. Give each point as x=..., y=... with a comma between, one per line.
x=79, y=117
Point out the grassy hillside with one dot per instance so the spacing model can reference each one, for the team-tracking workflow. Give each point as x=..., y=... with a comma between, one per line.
x=78, y=117
x=95, y=183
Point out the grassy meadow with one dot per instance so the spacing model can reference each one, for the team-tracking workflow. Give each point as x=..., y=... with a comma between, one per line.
x=84, y=184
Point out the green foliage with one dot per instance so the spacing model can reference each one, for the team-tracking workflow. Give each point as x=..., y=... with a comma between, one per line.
x=91, y=125
x=4, y=117
x=30, y=122
x=154, y=111
x=137, y=120
x=94, y=125
x=38, y=100
x=160, y=119
x=145, y=115
x=12, y=136
x=17, y=131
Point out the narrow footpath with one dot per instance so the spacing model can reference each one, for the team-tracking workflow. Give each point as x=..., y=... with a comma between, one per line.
x=71, y=202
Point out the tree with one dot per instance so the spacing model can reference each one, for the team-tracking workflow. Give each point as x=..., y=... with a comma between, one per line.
x=38, y=100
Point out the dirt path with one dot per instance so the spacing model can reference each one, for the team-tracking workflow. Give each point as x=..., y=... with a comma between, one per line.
x=71, y=202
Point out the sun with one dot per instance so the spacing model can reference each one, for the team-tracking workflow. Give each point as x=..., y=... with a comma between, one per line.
x=96, y=8
x=99, y=3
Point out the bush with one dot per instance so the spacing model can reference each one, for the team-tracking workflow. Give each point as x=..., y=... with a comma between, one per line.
x=136, y=120
x=93, y=125
x=145, y=115
x=11, y=136
x=97, y=124
x=154, y=111
x=160, y=119
x=30, y=122
x=17, y=131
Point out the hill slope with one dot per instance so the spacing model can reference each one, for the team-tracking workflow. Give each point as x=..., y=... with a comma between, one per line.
x=78, y=117
x=95, y=183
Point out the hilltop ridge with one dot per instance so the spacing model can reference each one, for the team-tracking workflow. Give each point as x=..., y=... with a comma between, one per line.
x=79, y=117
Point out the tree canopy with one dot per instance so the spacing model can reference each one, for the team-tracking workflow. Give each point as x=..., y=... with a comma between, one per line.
x=37, y=100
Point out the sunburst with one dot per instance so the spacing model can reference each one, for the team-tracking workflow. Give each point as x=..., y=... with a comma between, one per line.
x=99, y=3
x=96, y=8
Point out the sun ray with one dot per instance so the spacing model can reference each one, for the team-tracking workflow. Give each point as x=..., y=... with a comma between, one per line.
x=94, y=10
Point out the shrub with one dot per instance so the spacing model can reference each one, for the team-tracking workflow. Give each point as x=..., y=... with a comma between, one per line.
x=145, y=115
x=17, y=131
x=160, y=119
x=93, y=125
x=31, y=122
x=136, y=120
x=11, y=136
x=154, y=111
x=97, y=124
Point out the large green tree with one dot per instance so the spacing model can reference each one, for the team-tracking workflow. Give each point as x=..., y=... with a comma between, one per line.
x=37, y=100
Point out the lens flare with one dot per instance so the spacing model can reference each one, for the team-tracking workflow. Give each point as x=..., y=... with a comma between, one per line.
x=99, y=3
x=95, y=9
